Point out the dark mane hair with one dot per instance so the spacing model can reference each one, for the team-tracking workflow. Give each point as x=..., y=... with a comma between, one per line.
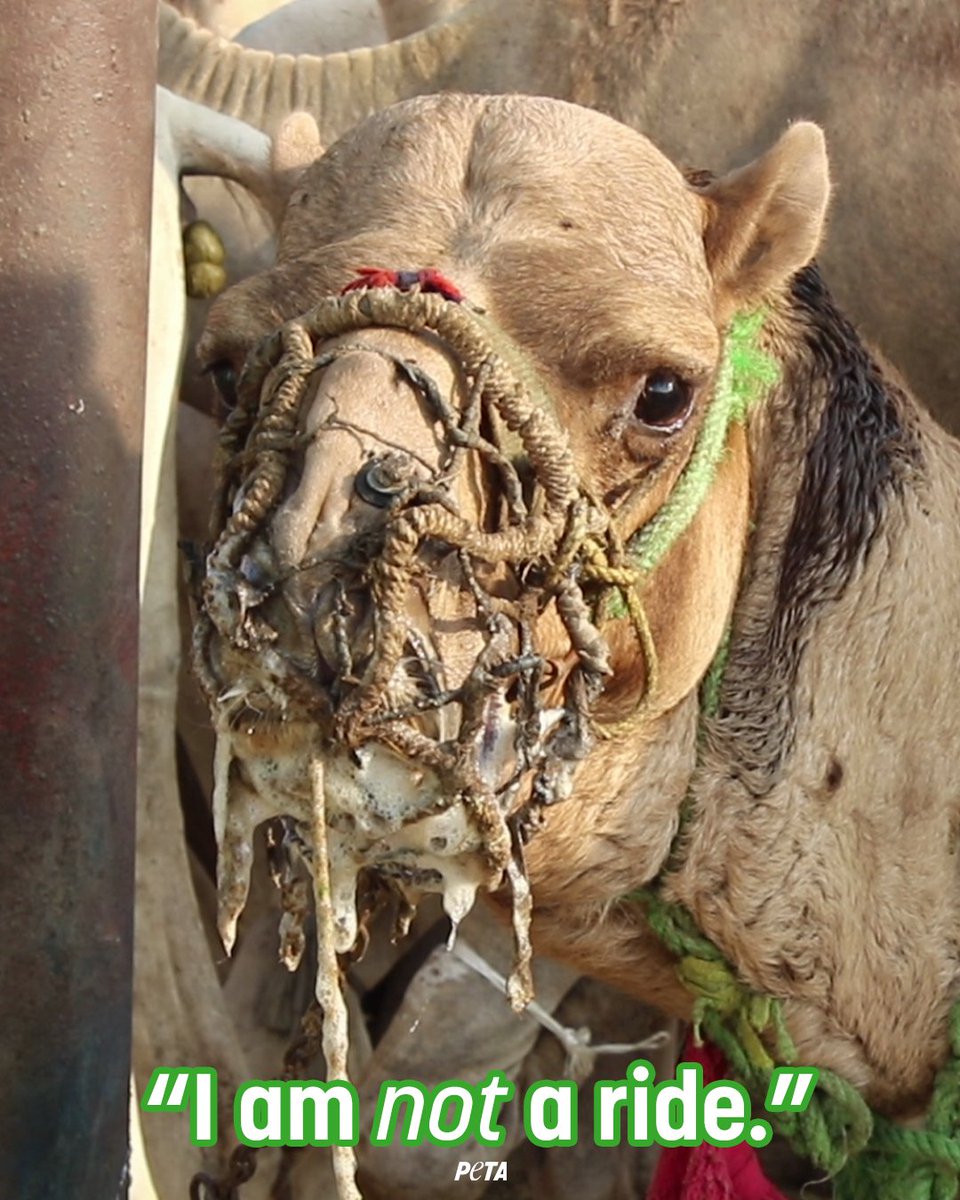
x=860, y=454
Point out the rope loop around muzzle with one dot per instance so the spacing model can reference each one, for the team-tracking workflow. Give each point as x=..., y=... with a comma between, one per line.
x=480, y=350
x=566, y=530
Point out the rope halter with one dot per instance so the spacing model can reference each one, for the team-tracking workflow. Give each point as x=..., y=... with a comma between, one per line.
x=548, y=545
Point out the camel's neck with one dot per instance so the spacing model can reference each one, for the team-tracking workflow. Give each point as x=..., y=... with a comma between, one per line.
x=822, y=854
x=604, y=843
x=833, y=452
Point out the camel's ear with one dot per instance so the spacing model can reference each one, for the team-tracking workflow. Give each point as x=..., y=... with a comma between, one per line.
x=765, y=221
x=295, y=146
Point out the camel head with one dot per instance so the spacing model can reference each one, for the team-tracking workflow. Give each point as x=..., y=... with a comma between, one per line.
x=484, y=503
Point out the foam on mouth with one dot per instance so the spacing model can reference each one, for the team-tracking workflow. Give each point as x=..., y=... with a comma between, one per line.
x=382, y=813
x=347, y=811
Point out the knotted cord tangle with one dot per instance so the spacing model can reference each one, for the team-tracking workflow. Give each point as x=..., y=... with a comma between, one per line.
x=544, y=543
x=553, y=536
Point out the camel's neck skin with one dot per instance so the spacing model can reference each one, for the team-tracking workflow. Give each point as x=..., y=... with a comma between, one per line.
x=608, y=840
x=822, y=856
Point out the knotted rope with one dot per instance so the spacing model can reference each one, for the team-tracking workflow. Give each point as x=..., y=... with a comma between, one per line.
x=914, y=1164
x=554, y=536
x=749, y=1029
x=550, y=536
x=870, y=1157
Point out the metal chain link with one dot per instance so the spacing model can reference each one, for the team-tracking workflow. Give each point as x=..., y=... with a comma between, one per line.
x=242, y=1164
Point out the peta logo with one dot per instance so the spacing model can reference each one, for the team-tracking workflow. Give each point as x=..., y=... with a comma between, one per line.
x=481, y=1170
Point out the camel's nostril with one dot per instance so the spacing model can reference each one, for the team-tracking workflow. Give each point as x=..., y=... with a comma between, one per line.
x=385, y=477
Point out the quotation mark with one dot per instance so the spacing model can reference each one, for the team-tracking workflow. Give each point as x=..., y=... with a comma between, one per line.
x=791, y=1088
x=172, y=1090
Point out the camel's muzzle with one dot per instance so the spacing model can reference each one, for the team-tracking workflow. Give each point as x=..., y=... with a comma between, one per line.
x=397, y=655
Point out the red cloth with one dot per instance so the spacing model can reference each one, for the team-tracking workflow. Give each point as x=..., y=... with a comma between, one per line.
x=428, y=280
x=710, y=1172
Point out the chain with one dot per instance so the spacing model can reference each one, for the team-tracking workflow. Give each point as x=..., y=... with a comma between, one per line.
x=242, y=1164
x=240, y=1170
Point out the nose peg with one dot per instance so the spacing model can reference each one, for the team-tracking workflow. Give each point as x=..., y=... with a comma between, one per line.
x=380, y=480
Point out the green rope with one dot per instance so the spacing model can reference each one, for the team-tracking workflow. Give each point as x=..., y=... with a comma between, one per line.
x=750, y=1031
x=914, y=1164
x=869, y=1157
x=746, y=372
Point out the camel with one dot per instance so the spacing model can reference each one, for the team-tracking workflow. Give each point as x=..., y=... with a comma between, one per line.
x=468, y=585
x=707, y=82
x=316, y=27
x=812, y=87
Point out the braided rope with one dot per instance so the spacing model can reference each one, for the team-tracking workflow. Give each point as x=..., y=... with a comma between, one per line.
x=750, y=1030
x=746, y=372
x=546, y=531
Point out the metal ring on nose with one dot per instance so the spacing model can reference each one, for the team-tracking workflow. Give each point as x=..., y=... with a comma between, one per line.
x=383, y=478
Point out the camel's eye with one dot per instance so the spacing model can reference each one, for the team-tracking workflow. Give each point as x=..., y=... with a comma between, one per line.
x=225, y=381
x=664, y=401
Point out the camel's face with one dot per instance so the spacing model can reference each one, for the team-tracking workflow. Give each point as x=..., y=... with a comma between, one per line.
x=579, y=239
x=411, y=594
